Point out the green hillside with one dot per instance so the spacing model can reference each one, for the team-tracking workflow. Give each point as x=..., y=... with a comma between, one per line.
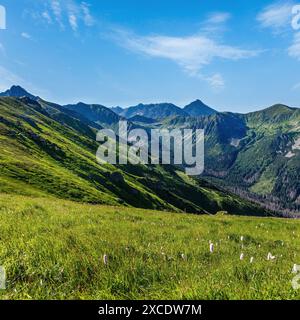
x=54, y=249
x=96, y=113
x=256, y=155
x=50, y=151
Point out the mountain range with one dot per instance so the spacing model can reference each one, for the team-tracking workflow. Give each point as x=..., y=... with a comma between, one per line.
x=252, y=161
x=256, y=155
x=163, y=110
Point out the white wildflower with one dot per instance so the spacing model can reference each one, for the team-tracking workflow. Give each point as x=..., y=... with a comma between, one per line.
x=296, y=268
x=270, y=256
x=105, y=259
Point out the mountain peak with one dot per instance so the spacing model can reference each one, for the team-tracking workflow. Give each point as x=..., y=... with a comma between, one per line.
x=117, y=110
x=198, y=101
x=154, y=111
x=17, y=87
x=198, y=108
x=18, y=92
x=275, y=109
x=279, y=106
x=94, y=112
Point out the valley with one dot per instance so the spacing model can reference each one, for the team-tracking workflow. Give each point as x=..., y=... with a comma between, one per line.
x=48, y=150
x=73, y=229
x=254, y=156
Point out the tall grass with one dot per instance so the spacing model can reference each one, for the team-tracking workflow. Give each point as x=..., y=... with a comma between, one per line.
x=56, y=249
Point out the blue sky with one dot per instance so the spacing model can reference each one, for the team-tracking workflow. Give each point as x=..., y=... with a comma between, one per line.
x=233, y=54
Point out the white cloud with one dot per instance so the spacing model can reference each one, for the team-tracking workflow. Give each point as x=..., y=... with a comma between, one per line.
x=87, y=17
x=67, y=12
x=2, y=49
x=73, y=21
x=216, y=81
x=294, y=49
x=57, y=10
x=26, y=35
x=296, y=86
x=215, y=23
x=218, y=17
x=47, y=16
x=277, y=16
x=191, y=53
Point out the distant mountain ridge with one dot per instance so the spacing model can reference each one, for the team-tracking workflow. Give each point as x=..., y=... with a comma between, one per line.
x=49, y=150
x=198, y=108
x=18, y=92
x=153, y=111
x=255, y=155
x=117, y=110
x=142, y=119
x=164, y=110
x=95, y=112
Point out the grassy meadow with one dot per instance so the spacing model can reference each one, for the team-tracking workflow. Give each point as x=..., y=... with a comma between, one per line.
x=58, y=249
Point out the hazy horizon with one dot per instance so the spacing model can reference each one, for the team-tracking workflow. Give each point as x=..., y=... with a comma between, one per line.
x=148, y=103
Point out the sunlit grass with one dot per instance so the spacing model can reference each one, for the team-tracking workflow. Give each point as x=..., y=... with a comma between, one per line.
x=56, y=249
